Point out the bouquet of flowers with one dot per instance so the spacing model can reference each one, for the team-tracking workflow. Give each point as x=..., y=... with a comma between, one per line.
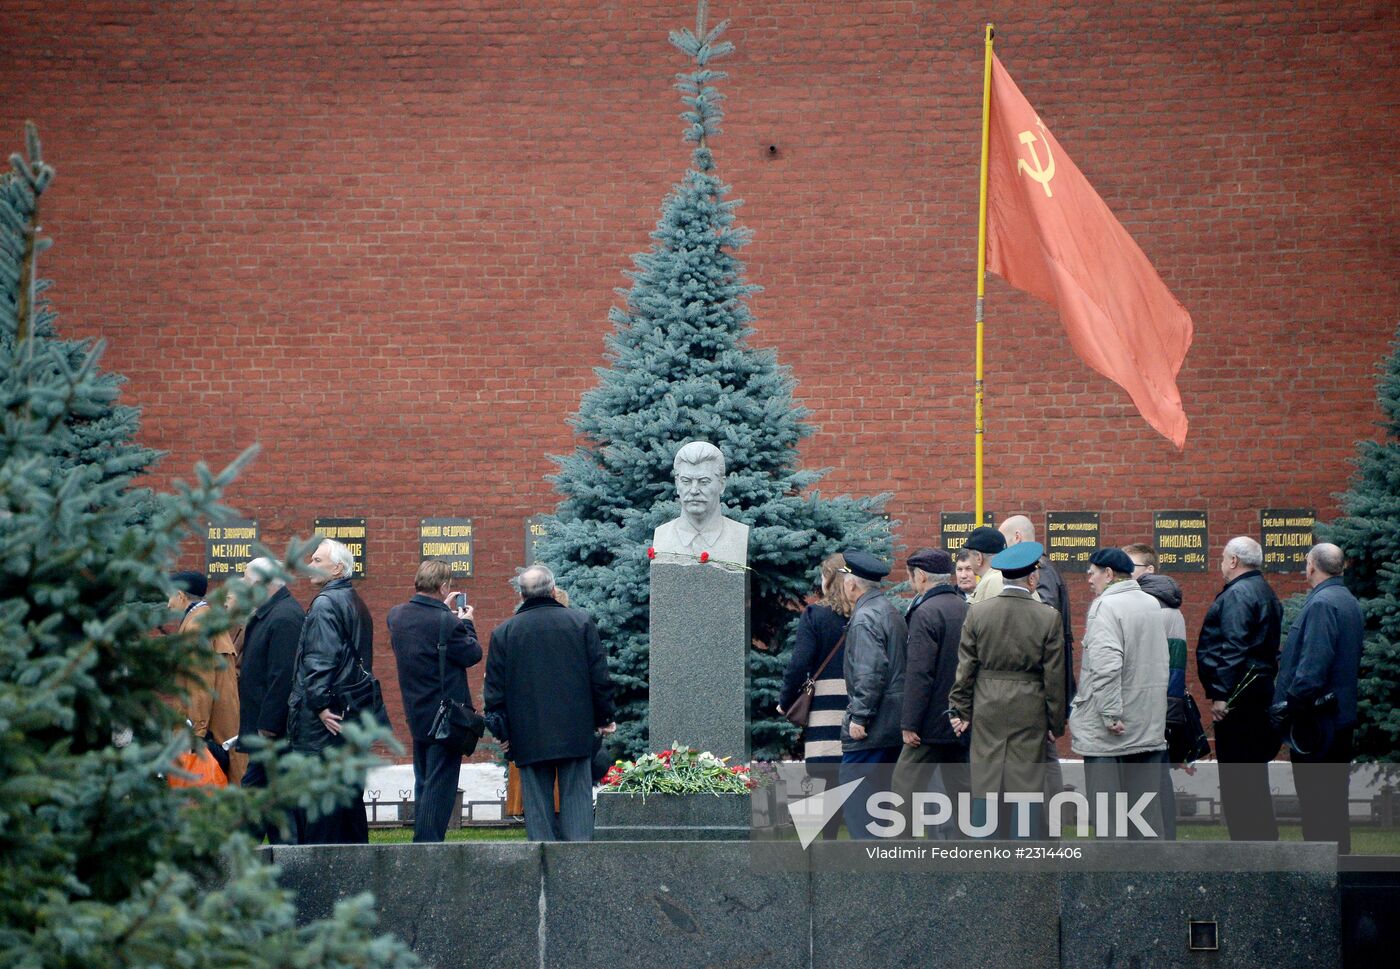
x=680, y=770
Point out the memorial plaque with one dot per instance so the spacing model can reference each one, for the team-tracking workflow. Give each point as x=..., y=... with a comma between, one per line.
x=449, y=539
x=1182, y=541
x=955, y=526
x=1070, y=538
x=535, y=532
x=351, y=533
x=1286, y=534
x=228, y=548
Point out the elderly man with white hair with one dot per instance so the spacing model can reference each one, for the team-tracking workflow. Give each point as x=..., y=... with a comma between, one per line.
x=1237, y=659
x=328, y=664
x=548, y=691
x=265, y=677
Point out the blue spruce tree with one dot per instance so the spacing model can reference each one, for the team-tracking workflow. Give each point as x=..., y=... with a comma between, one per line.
x=681, y=368
x=102, y=863
x=1369, y=533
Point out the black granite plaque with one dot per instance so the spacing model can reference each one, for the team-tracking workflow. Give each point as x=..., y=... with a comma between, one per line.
x=1286, y=534
x=350, y=532
x=535, y=532
x=229, y=547
x=1182, y=541
x=449, y=539
x=1070, y=538
x=955, y=526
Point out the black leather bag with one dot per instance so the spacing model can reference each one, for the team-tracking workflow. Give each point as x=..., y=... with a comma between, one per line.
x=364, y=695
x=455, y=723
x=1186, y=738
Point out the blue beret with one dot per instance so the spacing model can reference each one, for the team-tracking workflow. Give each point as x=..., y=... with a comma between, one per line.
x=1112, y=558
x=1019, y=560
x=863, y=565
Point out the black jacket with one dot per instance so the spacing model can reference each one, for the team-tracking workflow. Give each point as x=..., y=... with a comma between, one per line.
x=547, y=675
x=365, y=643
x=935, y=627
x=1240, y=635
x=1323, y=655
x=873, y=662
x=327, y=662
x=269, y=656
x=414, y=628
x=819, y=629
x=1051, y=590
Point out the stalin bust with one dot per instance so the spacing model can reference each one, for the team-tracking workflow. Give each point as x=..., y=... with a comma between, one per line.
x=701, y=528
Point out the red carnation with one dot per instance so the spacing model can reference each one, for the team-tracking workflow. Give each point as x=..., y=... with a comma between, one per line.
x=704, y=556
x=651, y=552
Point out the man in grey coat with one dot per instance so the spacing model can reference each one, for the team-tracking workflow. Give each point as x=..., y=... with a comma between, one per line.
x=874, y=665
x=1119, y=716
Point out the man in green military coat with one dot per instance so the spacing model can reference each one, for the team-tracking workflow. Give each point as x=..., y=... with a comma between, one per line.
x=1010, y=689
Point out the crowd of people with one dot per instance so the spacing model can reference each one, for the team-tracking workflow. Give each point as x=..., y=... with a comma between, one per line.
x=972, y=684
x=970, y=688
x=296, y=675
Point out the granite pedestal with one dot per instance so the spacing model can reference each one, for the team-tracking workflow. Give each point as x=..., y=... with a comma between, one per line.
x=699, y=672
x=672, y=817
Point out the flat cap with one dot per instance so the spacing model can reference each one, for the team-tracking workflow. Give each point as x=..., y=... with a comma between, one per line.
x=985, y=538
x=1112, y=558
x=1019, y=560
x=934, y=561
x=195, y=583
x=863, y=565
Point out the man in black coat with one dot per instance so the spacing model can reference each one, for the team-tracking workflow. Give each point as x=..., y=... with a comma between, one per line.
x=327, y=665
x=1237, y=658
x=1315, y=696
x=265, y=677
x=419, y=630
x=547, y=680
x=935, y=619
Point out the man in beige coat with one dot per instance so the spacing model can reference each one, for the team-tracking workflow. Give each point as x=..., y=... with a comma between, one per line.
x=1010, y=689
x=1119, y=720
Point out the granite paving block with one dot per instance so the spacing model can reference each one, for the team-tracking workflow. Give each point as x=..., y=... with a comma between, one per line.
x=1275, y=905
x=875, y=915
x=458, y=905
x=699, y=659
x=676, y=905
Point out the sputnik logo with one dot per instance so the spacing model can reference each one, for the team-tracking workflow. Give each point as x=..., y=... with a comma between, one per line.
x=811, y=814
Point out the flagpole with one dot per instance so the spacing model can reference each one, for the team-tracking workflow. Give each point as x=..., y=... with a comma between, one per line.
x=980, y=428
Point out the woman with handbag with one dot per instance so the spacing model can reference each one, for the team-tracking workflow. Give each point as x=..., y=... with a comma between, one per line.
x=814, y=685
x=434, y=643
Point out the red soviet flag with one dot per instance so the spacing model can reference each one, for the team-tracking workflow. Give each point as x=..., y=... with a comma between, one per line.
x=1050, y=234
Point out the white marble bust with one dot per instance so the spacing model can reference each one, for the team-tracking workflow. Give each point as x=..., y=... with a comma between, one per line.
x=699, y=474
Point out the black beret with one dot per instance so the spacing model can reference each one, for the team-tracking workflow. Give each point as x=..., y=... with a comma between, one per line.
x=1018, y=561
x=1112, y=558
x=863, y=565
x=934, y=561
x=985, y=539
x=195, y=583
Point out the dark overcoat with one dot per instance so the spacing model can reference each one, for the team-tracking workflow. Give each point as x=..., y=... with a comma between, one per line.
x=269, y=656
x=414, y=629
x=547, y=675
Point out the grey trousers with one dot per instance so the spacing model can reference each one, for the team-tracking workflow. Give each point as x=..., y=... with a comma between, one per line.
x=574, y=822
x=1131, y=774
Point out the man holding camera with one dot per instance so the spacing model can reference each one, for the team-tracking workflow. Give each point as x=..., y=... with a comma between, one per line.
x=435, y=620
x=1315, y=697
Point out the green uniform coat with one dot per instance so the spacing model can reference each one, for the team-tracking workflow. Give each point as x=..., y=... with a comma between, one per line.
x=1011, y=686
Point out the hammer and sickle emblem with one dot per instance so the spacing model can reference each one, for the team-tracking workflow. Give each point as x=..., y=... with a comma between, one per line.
x=1033, y=168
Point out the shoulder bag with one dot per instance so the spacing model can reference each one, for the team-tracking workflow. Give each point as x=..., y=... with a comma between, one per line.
x=801, y=710
x=455, y=722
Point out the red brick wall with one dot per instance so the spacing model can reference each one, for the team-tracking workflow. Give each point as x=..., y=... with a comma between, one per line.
x=381, y=239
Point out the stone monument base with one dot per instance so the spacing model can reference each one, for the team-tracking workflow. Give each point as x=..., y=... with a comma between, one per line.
x=672, y=817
